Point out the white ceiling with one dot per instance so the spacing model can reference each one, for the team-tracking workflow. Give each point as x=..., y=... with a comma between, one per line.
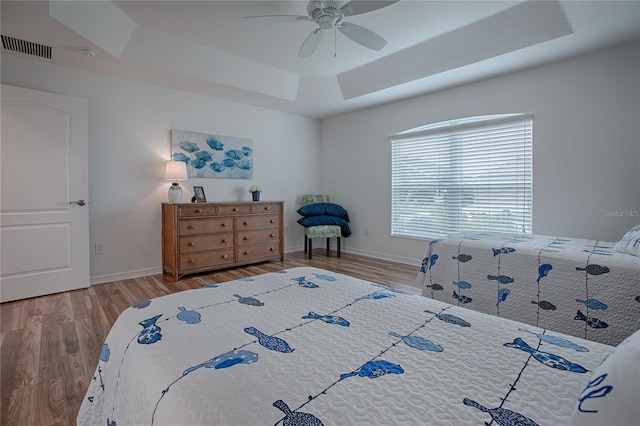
x=206, y=47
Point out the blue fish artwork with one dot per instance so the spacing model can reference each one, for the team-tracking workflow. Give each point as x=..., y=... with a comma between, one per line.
x=461, y=298
x=329, y=319
x=141, y=305
x=438, y=287
x=150, y=332
x=209, y=286
x=111, y=422
x=105, y=353
x=548, y=359
x=418, y=342
x=376, y=296
x=555, y=340
x=502, y=279
x=375, y=369
x=324, y=277
x=502, y=416
x=462, y=257
x=428, y=262
x=592, y=304
x=594, y=269
x=545, y=304
x=502, y=295
x=190, y=317
x=462, y=285
x=451, y=319
x=248, y=300
x=225, y=360
x=270, y=342
x=591, y=322
x=503, y=250
x=294, y=418
x=302, y=282
x=543, y=271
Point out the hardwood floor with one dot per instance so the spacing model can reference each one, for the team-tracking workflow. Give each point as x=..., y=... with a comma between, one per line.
x=50, y=345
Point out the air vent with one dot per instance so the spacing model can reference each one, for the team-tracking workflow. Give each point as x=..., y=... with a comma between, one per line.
x=27, y=47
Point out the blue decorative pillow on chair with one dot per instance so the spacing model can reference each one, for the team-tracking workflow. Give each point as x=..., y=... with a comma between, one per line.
x=630, y=242
x=324, y=209
x=321, y=220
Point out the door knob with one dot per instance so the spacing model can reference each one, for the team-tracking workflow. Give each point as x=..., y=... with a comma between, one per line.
x=79, y=202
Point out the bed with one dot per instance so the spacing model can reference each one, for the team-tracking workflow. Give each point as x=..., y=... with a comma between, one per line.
x=306, y=346
x=579, y=287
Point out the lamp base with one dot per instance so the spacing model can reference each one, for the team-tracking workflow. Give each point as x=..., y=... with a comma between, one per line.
x=175, y=193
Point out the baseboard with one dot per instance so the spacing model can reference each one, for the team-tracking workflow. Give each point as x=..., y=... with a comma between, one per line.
x=384, y=256
x=107, y=278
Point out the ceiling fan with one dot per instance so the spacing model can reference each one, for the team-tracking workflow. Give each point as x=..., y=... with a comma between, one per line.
x=327, y=14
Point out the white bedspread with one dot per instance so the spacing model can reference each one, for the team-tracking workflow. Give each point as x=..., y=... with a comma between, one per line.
x=307, y=346
x=574, y=286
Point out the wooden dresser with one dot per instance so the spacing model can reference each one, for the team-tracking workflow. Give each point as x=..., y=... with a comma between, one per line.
x=206, y=236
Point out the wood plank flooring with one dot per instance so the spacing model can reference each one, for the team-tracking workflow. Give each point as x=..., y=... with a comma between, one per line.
x=50, y=345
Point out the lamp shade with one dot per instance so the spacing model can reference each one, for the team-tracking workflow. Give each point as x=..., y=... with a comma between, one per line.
x=175, y=170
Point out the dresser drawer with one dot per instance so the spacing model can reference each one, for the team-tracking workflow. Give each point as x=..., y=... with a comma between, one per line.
x=206, y=259
x=258, y=221
x=205, y=242
x=266, y=208
x=234, y=209
x=258, y=251
x=206, y=225
x=195, y=211
x=258, y=236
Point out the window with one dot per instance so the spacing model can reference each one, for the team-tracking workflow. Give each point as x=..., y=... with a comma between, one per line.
x=471, y=174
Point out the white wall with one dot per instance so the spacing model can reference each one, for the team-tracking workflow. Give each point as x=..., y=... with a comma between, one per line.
x=129, y=141
x=586, y=148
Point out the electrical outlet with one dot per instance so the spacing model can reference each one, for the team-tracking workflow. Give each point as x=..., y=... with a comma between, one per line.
x=99, y=248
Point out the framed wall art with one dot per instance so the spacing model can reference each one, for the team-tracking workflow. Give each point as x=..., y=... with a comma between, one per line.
x=213, y=156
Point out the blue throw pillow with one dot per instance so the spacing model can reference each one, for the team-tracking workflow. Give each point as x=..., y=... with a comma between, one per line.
x=323, y=209
x=321, y=220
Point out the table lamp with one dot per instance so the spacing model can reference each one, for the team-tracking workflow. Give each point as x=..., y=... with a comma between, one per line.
x=175, y=171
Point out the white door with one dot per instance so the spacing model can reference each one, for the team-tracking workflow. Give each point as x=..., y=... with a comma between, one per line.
x=44, y=236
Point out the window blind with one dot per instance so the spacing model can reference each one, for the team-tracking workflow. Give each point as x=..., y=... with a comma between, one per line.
x=472, y=174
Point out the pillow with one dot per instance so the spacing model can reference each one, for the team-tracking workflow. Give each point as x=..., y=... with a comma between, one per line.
x=319, y=209
x=630, y=243
x=612, y=396
x=321, y=220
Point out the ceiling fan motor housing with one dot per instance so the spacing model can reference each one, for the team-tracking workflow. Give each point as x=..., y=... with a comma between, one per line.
x=325, y=14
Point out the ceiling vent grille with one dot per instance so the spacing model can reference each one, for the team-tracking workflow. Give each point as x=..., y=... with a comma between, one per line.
x=27, y=47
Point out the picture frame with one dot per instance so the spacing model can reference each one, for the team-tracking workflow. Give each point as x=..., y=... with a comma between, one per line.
x=199, y=196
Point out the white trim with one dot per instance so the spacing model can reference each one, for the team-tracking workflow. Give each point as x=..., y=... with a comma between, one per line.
x=119, y=276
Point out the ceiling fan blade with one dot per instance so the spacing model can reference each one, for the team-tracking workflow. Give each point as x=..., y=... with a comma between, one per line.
x=277, y=18
x=356, y=7
x=311, y=43
x=362, y=36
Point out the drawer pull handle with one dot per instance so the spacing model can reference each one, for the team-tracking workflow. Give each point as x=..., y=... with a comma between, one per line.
x=246, y=238
x=191, y=227
x=272, y=221
x=246, y=253
x=235, y=209
x=198, y=210
x=192, y=261
x=225, y=256
x=225, y=240
x=224, y=225
x=267, y=207
x=271, y=249
x=245, y=223
x=272, y=235
x=192, y=244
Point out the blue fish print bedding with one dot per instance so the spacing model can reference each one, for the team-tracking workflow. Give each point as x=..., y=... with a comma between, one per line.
x=272, y=351
x=574, y=286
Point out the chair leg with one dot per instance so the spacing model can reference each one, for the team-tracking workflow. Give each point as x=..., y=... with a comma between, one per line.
x=310, y=247
x=305, y=243
x=338, y=246
x=328, y=245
